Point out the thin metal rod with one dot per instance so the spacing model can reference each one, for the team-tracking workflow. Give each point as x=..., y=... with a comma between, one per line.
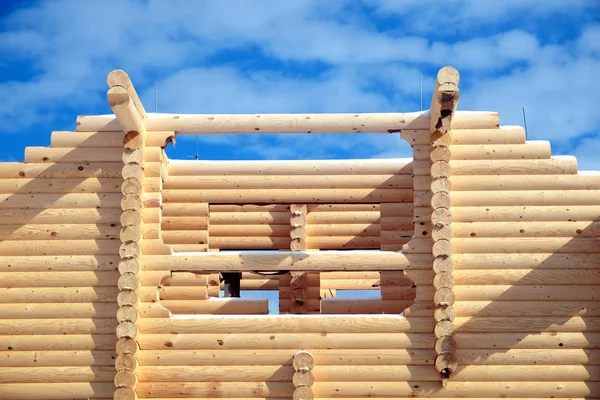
x=156, y=97
x=525, y=122
x=421, y=90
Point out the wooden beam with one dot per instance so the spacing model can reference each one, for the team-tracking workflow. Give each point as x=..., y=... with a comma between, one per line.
x=445, y=100
x=125, y=111
x=289, y=123
x=120, y=78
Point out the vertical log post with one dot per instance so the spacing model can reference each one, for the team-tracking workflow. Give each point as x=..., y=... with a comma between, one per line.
x=443, y=106
x=128, y=109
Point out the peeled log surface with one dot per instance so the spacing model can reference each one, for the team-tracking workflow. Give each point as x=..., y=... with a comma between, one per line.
x=213, y=306
x=68, y=200
x=501, y=135
x=388, y=181
x=58, y=247
x=558, y=292
x=526, y=276
x=527, y=229
x=57, y=185
x=59, y=279
x=71, y=326
x=184, y=223
x=185, y=209
x=57, y=391
x=292, y=195
x=526, y=245
x=283, y=218
x=284, y=230
x=64, y=139
x=303, y=393
x=66, y=170
x=323, y=243
x=303, y=361
x=530, y=182
x=555, y=165
x=527, y=308
x=526, y=198
x=363, y=306
x=83, y=155
x=49, y=310
x=59, y=294
x=125, y=110
x=59, y=231
x=391, y=166
x=56, y=342
x=525, y=213
x=59, y=216
x=333, y=324
x=291, y=123
x=374, y=389
x=531, y=150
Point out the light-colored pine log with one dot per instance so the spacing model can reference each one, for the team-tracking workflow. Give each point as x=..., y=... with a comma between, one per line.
x=125, y=379
x=125, y=110
x=344, y=261
x=57, y=171
x=298, y=244
x=558, y=292
x=443, y=265
x=128, y=298
x=84, y=358
x=439, y=169
x=214, y=306
x=439, y=153
x=363, y=306
x=443, y=280
x=445, y=100
x=182, y=293
x=65, y=139
x=282, y=324
x=524, y=213
x=313, y=218
x=65, y=200
x=58, y=216
x=526, y=198
x=443, y=297
x=303, y=379
x=441, y=185
x=501, y=135
x=59, y=232
x=58, y=247
x=118, y=77
x=189, y=223
x=56, y=342
x=389, y=181
x=57, y=391
x=39, y=310
x=127, y=313
x=185, y=237
x=324, y=242
x=185, y=209
x=127, y=346
x=446, y=364
x=530, y=182
x=134, y=140
x=527, y=229
x=391, y=166
x=129, y=265
x=527, y=308
x=530, y=151
x=444, y=314
x=132, y=171
x=132, y=186
x=126, y=329
x=291, y=123
x=126, y=362
x=57, y=185
x=303, y=393
x=527, y=277
x=526, y=245
x=59, y=294
x=88, y=155
x=305, y=195
x=442, y=200
x=297, y=220
x=445, y=344
x=444, y=328
x=130, y=233
x=553, y=166
x=303, y=361
x=46, y=326
x=284, y=230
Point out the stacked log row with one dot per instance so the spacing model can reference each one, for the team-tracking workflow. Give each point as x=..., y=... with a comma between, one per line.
x=184, y=227
x=303, y=378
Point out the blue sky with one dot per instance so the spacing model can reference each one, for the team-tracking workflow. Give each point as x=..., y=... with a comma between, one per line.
x=264, y=56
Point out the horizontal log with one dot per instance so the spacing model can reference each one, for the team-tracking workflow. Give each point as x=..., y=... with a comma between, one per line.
x=526, y=245
x=58, y=247
x=185, y=237
x=285, y=208
x=391, y=166
x=526, y=229
x=523, y=214
x=527, y=261
x=58, y=263
x=126, y=113
x=525, y=198
x=149, y=343
x=526, y=276
x=290, y=123
x=59, y=216
x=555, y=165
x=185, y=209
x=530, y=182
x=323, y=242
x=83, y=155
x=54, y=310
x=46, y=326
x=184, y=223
x=363, y=306
x=59, y=279
x=284, y=230
x=211, y=306
x=527, y=324
x=63, y=170
x=501, y=135
x=59, y=374
x=526, y=308
x=291, y=195
x=65, y=185
x=539, y=293
x=59, y=232
x=529, y=151
x=380, y=373
x=59, y=294
x=290, y=182
x=281, y=261
x=57, y=391
x=276, y=324
x=65, y=139
x=56, y=342
x=363, y=389
x=57, y=358
x=282, y=218
x=68, y=200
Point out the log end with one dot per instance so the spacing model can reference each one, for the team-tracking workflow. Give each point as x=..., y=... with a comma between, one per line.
x=117, y=96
